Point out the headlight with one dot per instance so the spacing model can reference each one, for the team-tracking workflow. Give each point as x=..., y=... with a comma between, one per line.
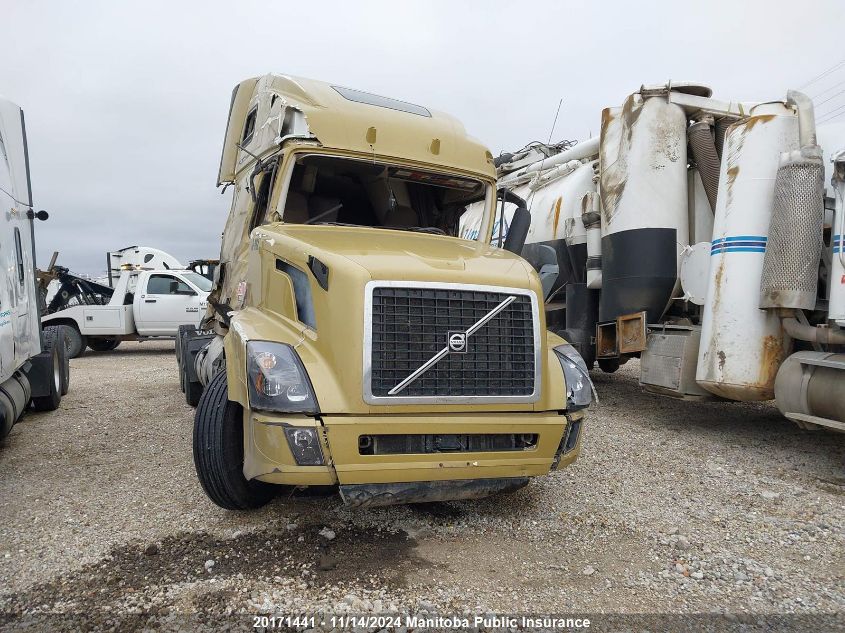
x=277, y=379
x=579, y=387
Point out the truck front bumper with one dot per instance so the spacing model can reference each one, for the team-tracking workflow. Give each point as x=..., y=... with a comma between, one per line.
x=367, y=475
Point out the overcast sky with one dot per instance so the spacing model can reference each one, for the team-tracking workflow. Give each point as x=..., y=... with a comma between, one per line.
x=126, y=102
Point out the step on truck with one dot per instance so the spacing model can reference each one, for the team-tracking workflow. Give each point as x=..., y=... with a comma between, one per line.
x=353, y=339
x=703, y=236
x=142, y=305
x=34, y=368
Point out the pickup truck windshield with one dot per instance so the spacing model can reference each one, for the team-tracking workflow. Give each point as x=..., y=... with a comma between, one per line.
x=332, y=190
x=203, y=283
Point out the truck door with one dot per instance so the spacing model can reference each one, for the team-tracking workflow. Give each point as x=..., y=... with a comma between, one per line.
x=18, y=305
x=23, y=300
x=164, y=304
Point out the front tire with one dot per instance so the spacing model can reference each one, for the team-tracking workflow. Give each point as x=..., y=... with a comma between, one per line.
x=219, y=451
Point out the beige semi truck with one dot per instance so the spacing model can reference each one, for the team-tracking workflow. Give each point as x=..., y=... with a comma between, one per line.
x=353, y=339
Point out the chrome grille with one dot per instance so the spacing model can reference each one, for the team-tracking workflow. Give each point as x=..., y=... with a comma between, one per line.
x=408, y=325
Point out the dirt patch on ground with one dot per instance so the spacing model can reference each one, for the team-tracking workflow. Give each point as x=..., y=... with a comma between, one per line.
x=672, y=507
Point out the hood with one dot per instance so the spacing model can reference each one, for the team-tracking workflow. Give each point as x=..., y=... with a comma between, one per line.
x=405, y=255
x=332, y=349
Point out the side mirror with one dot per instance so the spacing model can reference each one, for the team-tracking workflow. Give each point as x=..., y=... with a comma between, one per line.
x=518, y=230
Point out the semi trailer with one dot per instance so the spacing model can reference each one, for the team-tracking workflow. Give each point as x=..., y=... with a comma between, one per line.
x=33, y=361
x=353, y=338
x=702, y=236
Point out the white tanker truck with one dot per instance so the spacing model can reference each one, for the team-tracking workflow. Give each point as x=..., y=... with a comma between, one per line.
x=704, y=237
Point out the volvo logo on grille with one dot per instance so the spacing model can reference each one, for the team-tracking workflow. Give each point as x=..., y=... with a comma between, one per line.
x=457, y=342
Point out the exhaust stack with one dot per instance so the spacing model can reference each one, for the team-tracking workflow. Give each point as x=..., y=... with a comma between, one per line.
x=791, y=263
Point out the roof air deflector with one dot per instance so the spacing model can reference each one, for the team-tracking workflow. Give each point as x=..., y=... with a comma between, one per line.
x=367, y=98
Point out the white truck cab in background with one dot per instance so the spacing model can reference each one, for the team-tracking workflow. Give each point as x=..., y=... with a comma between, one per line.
x=145, y=304
x=33, y=364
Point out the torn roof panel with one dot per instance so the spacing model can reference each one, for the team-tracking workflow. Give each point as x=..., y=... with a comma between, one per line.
x=350, y=120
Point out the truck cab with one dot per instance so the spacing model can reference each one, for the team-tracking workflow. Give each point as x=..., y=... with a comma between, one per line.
x=33, y=365
x=143, y=304
x=165, y=299
x=353, y=338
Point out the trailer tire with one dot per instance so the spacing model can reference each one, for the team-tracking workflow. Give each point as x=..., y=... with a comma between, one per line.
x=100, y=344
x=219, y=451
x=56, y=336
x=192, y=388
x=179, y=336
x=51, y=401
x=178, y=347
x=75, y=341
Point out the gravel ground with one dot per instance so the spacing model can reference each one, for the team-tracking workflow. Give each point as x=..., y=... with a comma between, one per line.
x=672, y=507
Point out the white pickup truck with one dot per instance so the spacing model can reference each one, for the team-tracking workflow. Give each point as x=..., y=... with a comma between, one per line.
x=145, y=304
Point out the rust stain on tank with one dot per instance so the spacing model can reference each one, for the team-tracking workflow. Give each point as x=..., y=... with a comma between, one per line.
x=733, y=172
x=752, y=121
x=557, y=214
x=606, y=118
x=720, y=274
x=631, y=111
x=772, y=355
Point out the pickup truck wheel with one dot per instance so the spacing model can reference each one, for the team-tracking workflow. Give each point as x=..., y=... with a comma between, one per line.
x=56, y=336
x=219, y=451
x=75, y=341
x=102, y=344
x=51, y=401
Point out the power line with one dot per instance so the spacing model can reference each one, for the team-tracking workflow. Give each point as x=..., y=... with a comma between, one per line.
x=826, y=116
x=841, y=83
x=836, y=94
x=833, y=118
x=824, y=74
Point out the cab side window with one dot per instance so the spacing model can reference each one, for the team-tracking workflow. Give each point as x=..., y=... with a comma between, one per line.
x=262, y=199
x=249, y=126
x=167, y=285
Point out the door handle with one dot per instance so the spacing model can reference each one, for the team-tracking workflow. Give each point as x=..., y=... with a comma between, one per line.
x=149, y=300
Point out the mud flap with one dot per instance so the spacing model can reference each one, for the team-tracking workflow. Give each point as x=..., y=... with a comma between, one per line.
x=369, y=495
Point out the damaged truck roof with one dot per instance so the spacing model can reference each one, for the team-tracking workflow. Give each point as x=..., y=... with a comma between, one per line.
x=274, y=108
